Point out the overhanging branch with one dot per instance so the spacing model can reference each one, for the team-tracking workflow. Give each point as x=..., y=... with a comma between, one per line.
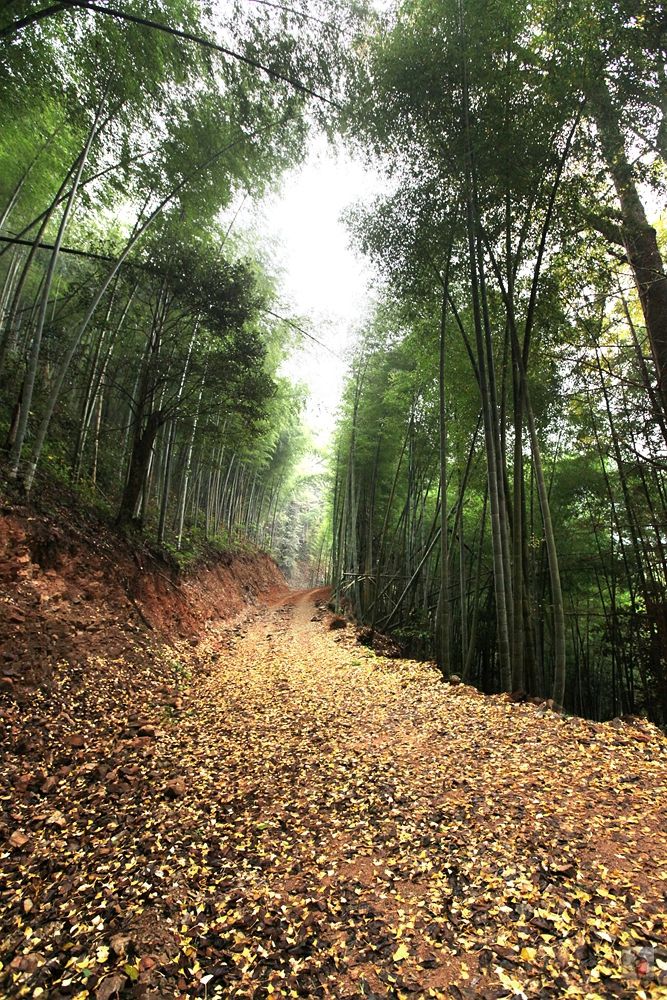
x=187, y=36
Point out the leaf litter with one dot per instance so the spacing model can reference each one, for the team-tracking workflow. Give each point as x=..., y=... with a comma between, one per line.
x=291, y=815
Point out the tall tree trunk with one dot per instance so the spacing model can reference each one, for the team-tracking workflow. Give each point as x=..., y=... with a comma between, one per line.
x=445, y=654
x=10, y=329
x=97, y=372
x=188, y=468
x=500, y=584
x=639, y=238
x=31, y=372
x=139, y=464
x=472, y=644
x=560, y=649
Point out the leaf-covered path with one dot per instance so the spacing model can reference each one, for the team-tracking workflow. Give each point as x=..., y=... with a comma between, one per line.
x=315, y=821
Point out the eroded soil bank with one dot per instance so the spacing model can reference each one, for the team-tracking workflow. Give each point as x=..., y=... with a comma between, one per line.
x=76, y=588
x=263, y=807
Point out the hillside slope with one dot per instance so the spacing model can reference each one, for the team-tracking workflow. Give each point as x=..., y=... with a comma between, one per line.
x=71, y=587
x=292, y=816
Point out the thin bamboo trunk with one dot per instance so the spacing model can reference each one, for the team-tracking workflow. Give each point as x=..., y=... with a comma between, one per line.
x=31, y=371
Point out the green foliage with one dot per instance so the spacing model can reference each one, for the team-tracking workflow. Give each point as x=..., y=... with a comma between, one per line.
x=152, y=378
x=500, y=135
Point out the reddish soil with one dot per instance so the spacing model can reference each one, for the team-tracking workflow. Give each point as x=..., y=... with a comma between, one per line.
x=77, y=589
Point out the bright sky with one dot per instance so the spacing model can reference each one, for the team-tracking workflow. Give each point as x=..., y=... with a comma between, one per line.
x=326, y=283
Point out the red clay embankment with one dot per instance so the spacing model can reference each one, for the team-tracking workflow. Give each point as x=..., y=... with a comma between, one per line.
x=74, y=589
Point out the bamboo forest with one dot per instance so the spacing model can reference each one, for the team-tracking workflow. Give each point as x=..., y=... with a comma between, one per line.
x=496, y=494
x=499, y=475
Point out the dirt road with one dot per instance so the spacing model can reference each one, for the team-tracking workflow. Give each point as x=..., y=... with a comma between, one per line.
x=314, y=821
